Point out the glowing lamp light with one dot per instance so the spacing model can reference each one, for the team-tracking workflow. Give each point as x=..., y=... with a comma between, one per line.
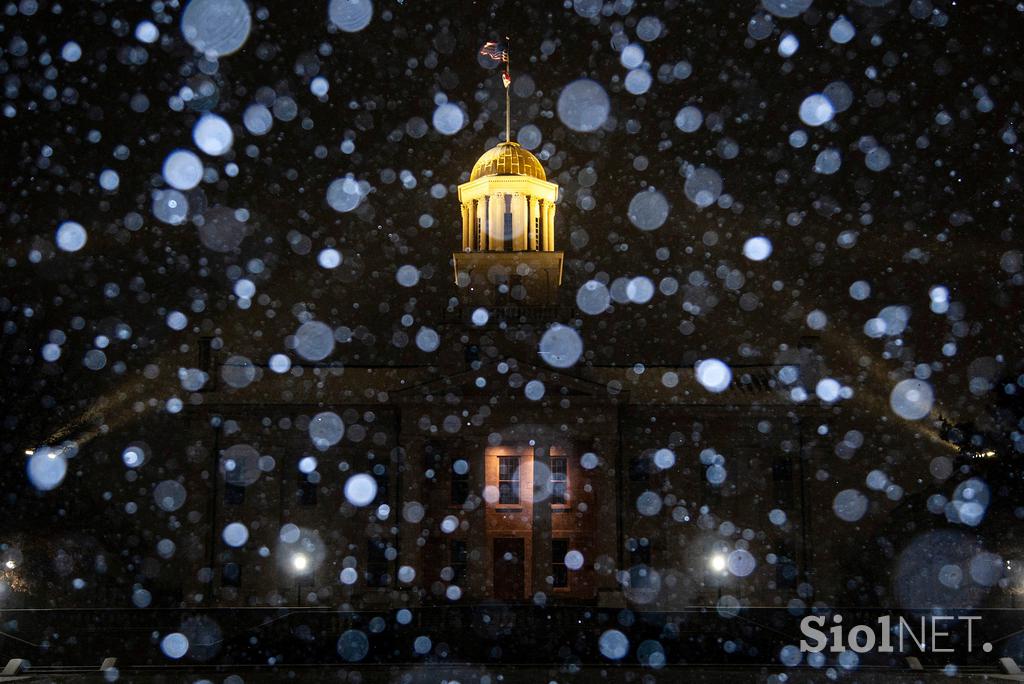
x=717, y=563
x=300, y=562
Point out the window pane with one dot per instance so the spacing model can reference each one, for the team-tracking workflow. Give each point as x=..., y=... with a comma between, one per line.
x=558, y=468
x=508, y=480
x=234, y=494
x=459, y=486
x=458, y=556
x=231, y=575
x=559, y=480
x=558, y=493
x=460, y=491
x=508, y=494
x=307, y=493
x=559, y=572
x=376, y=564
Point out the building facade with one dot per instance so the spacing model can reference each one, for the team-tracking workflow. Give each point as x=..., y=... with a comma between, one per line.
x=492, y=475
x=495, y=476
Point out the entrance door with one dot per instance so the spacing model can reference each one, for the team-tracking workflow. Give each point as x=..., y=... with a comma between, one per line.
x=508, y=569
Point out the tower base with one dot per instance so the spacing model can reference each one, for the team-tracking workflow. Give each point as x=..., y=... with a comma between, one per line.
x=528, y=278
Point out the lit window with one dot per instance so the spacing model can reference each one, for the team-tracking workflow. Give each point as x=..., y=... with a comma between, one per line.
x=559, y=481
x=508, y=480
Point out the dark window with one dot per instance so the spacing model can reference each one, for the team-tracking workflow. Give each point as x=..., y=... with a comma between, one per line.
x=785, y=574
x=639, y=551
x=508, y=222
x=640, y=562
x=231, y=575
x=640, y=467
x=307, y=492
x=785, y=569
x=380, y=476
x=782, y=481
x=458, y=558
x=377, y=563
x=508, y=480
x=433, y=455
x=508, y=231
x=559, y=571
x=559, y=480
x=460, y=486
x=234, y=495
x=206, y=363
x=782, y=470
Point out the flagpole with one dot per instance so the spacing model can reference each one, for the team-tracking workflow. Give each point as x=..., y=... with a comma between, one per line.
x=508, y=97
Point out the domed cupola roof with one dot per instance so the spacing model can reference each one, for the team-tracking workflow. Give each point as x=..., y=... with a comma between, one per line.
x=508, y=159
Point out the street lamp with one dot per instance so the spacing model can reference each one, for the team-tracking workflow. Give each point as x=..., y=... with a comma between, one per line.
x=718, y=564
x=300, y=566
x=300, y=562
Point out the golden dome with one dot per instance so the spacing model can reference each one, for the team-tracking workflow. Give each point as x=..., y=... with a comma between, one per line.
x=507, y=159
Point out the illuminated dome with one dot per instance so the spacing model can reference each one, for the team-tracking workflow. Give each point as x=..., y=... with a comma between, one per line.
x=507, y=159
x=508, y=204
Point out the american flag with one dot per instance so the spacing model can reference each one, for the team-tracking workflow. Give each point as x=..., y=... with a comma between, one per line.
x=494, y=51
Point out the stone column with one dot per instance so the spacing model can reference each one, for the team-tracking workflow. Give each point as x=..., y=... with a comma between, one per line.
x=542, y=212
x=477, y=226
x=496, y=204
x=485, y=230
x=465, y=226
x=546, y=229
x=535, y=212
x=540, y=532
x=528, y=223
x=549, y=228
x=517, y=221
x=522, y=224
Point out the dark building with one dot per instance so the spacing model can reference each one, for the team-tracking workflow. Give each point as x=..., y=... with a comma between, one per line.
x=494, y=474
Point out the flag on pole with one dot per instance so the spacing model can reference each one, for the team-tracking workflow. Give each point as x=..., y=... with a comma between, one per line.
x=495, y=51
x=506, y=78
